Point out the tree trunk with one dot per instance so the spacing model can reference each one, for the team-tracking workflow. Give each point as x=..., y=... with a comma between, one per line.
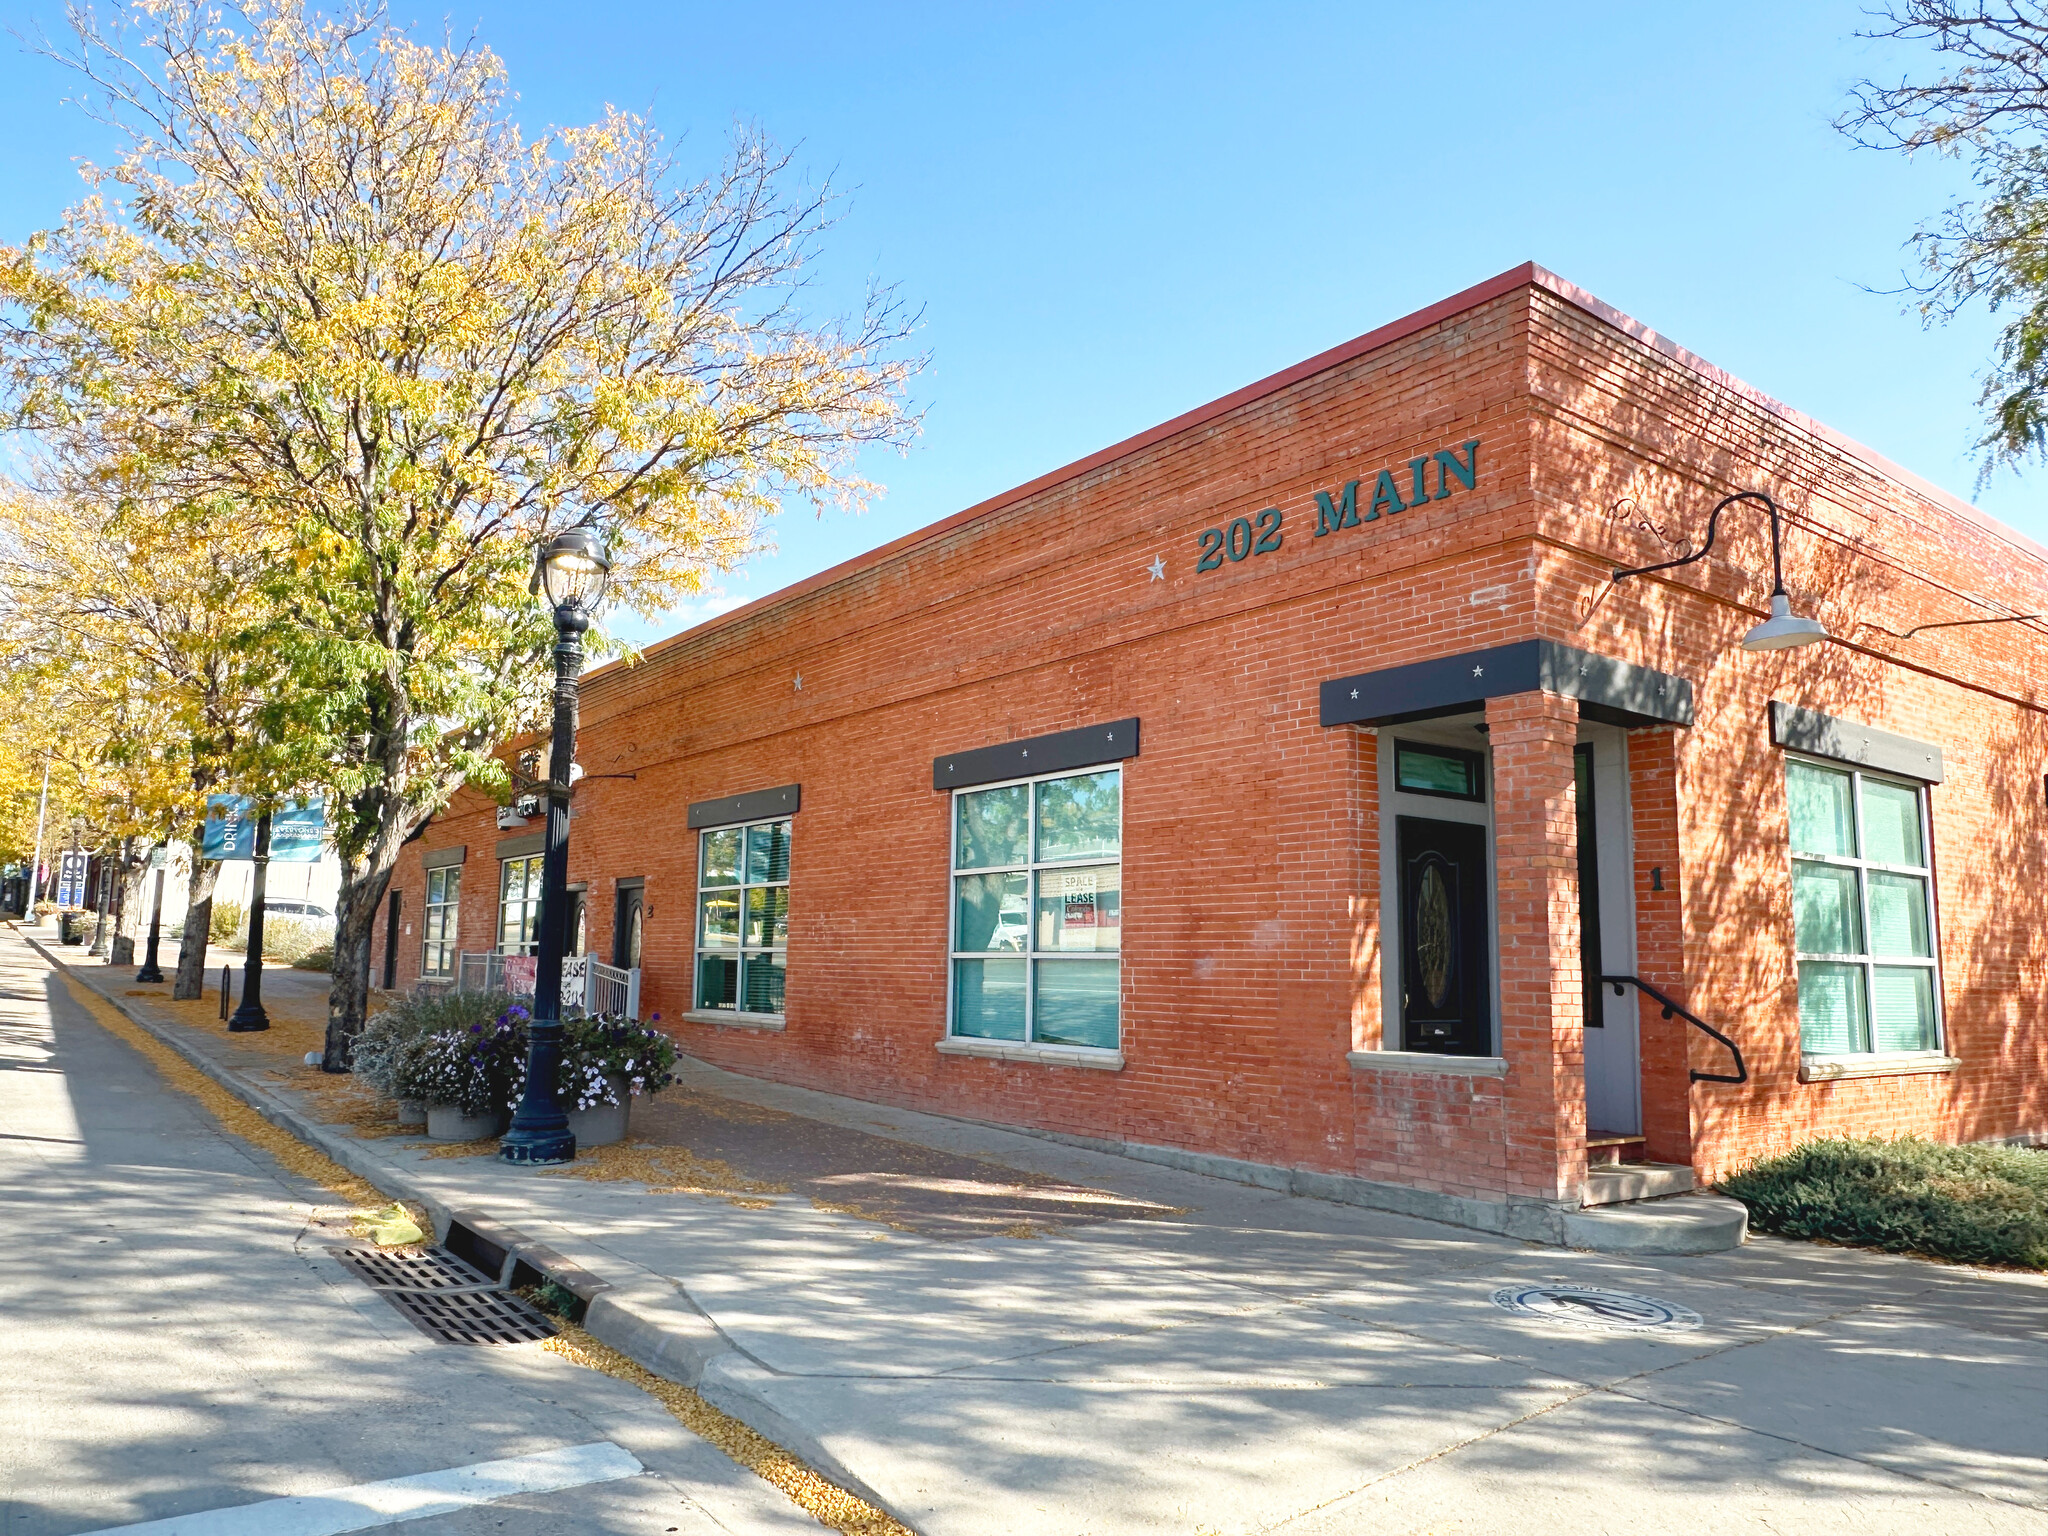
x=355, y=927
x=130, y=903
x=191, y=976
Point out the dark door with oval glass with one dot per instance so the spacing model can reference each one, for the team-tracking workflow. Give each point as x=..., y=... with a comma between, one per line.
x=1444, y=962
x=626, y=925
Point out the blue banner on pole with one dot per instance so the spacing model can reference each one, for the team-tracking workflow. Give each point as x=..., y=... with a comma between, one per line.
x=296, y=831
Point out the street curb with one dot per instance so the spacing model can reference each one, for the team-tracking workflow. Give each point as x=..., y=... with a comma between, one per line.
x=647, y=1317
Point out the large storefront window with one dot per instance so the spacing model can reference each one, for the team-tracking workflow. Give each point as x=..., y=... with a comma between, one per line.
x=1038, y=910
x=519, y=906
x=1862, y=912
x=743, y=917
x=444, y=898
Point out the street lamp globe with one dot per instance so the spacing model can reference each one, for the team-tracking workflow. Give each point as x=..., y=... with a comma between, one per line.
x=574, y=570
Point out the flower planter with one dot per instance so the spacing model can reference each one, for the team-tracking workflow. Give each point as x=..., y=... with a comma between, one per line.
x=447, y=1122
x=412, y=1115
x=605, y=1124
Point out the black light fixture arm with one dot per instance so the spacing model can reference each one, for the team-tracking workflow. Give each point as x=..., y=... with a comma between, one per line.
x=1713, y=518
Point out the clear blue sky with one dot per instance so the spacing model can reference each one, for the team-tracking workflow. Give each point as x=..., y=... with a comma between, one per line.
x=1113, y=213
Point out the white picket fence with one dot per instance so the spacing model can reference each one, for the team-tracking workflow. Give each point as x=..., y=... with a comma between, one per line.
x=588, y=985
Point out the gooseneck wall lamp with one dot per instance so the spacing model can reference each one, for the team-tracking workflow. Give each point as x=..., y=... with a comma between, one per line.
x=1784, y=629
x=574, y=571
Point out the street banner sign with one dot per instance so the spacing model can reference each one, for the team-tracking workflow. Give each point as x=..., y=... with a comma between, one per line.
x=295, y=830
x=71, y=880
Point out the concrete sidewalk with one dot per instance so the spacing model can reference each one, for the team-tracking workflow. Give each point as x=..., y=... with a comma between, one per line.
x=1167, y=1352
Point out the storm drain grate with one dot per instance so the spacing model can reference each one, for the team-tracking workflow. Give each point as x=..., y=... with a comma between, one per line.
x=447, y=1299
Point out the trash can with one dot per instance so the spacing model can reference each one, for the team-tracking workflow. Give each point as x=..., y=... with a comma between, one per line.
x=71, y=927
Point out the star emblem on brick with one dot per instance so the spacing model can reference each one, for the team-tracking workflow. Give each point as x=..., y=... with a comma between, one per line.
x=1479, y=671
x=1157, y=568
x=1354, y=693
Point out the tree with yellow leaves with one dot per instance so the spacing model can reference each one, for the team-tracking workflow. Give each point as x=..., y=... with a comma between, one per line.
x=331, y=283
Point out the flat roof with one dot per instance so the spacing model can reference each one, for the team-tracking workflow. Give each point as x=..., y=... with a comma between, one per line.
x=1528, y=274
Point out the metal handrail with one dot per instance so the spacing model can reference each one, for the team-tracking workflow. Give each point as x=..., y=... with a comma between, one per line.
x=1670, y=1007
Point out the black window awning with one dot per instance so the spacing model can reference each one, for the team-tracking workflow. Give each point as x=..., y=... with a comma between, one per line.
x=1611, y=691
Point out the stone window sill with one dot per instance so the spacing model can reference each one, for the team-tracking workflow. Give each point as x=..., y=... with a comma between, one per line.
x=1830, y=1069
x=1044, y=1055
x=726, y=1020
x=1427, y=1061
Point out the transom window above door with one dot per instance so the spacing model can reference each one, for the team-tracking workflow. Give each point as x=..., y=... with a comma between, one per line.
x=1862, y=912
x=1038, y=910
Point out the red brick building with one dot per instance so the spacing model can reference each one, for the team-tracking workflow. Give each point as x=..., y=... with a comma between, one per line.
x=1262, y=787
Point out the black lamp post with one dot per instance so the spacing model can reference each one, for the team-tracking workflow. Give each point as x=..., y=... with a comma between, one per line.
x=575, y=572
x=249, y=1014
x=150, y=970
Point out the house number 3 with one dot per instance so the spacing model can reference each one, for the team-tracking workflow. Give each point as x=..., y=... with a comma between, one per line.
x=1241, y=538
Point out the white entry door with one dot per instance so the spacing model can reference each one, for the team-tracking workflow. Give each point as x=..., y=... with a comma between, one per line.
x=1607, y=936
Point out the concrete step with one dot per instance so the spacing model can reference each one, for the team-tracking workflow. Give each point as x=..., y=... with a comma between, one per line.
x=1697, y=1223
x=1613, y=1183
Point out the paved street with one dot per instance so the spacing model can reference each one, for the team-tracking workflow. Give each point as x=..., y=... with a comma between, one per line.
x=1148, y=1351
x=180, y=1341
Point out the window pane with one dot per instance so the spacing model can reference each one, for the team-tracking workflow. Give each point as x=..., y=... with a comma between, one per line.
x=992, y=827
x=1891, y=824
x=720, y=858
x=1823, y=818
x=1898, y=915
x=452, y=891
x=436, y=883
x=1831, y=1012
x=764, y=978
x=988, y=999
x=768, y=853
x=718, y=981
x=1902, y=1008
x=1079, y=909
x=1079, y=818
x=767, y=914
x=988, y=911
x=1825, y=917
x=1076, y=1003
x=1436, y=773
x=718, y=919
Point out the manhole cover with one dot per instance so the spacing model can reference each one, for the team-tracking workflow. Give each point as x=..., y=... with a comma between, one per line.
x=1585, y=1306
x=447, y=1299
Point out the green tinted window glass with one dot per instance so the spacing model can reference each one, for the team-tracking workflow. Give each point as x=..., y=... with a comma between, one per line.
x=1428, y=772
x=1831, y=1008
x=768, y=853
x=1077, y=1003
x=1823, y=812
x=988, y=912
x=718, y=919
x=1081, y=817
x=1898, y=916
x=721, y=857
x=767, y=916
x=1826, y=917
x=1080, y=909
x=993, y=827
x=764, y=975
x=1902, y=1008
x=718, y=981
x=1891, y=824
x=988, y=999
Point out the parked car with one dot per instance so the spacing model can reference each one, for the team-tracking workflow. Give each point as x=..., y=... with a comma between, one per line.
x=310, y=912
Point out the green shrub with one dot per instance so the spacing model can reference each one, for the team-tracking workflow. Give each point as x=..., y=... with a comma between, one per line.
x=225, y=926
x=374, y=1058
x=319, y=958
x=1970, y=1204
x=287, y=938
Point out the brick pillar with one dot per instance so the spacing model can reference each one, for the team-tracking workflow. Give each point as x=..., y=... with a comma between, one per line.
x=1660, y=945
x=1535, y=853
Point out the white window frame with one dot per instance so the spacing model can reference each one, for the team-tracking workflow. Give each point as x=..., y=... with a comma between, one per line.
x=1030, y=869
x=531, y=946
x=450, y=942
x=740, y=951
x=1864, y=867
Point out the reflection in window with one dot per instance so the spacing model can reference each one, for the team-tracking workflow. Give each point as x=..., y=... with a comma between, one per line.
x=743, y=918
x=444, y=905
x=1862, y=918
x=1038, y=910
